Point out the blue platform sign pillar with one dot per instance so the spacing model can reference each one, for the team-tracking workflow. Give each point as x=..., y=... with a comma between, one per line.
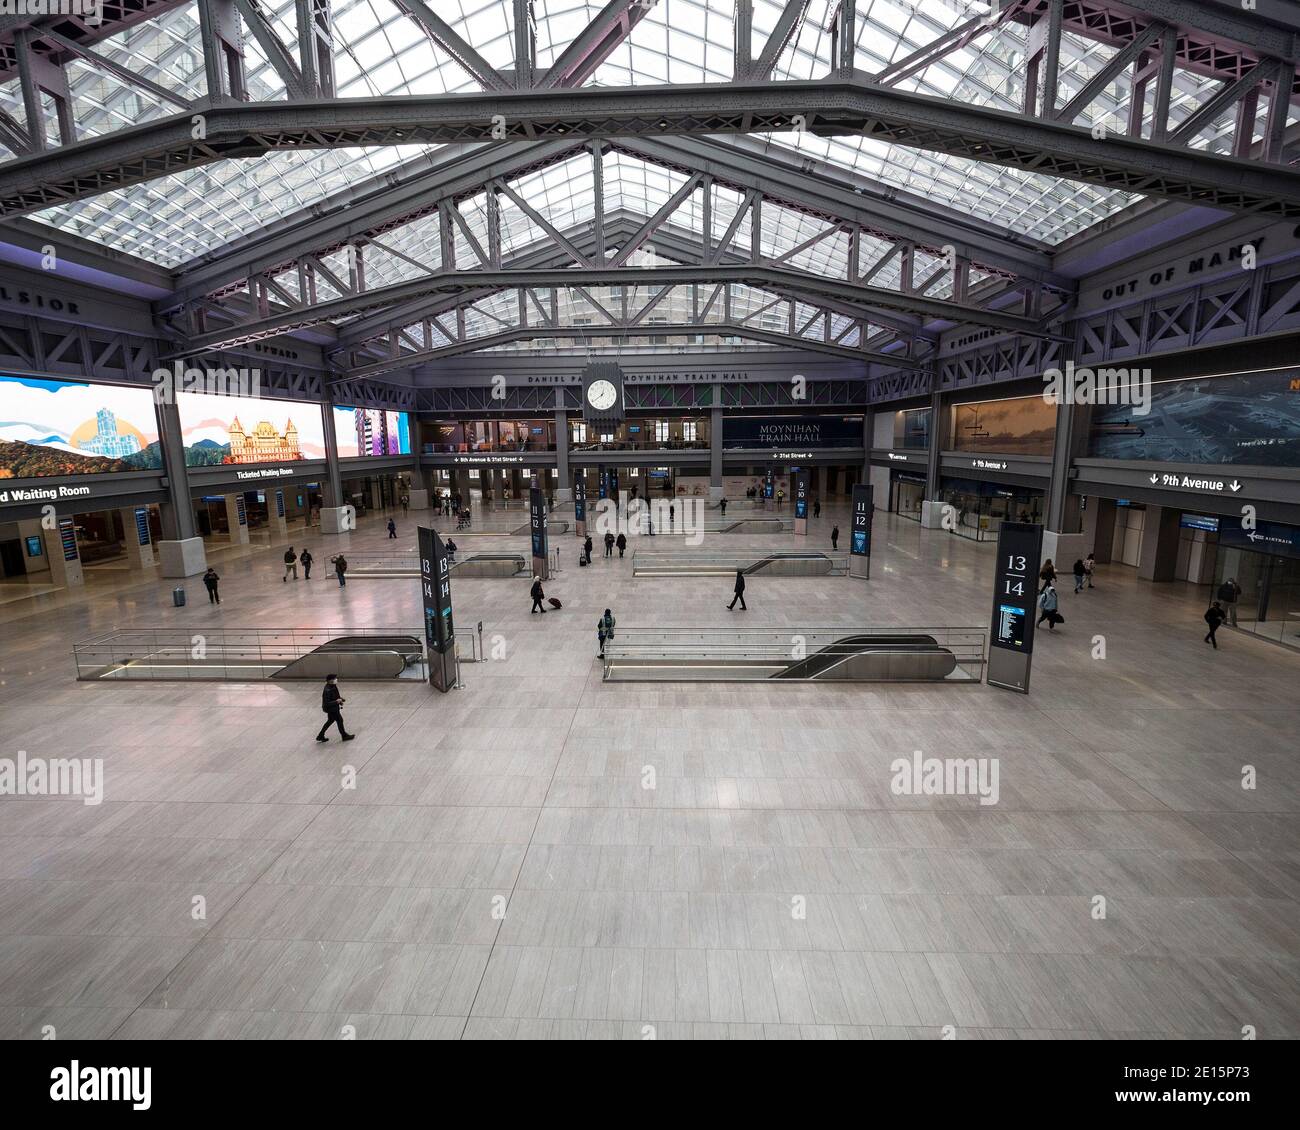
x=537, y=530
x=860, y=532
x=435, y=592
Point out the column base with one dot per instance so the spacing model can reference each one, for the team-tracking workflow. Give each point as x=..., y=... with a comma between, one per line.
x=932, y=514
x=185, y=558
x=716, y=493
x=338, y=519
x=1064, y=549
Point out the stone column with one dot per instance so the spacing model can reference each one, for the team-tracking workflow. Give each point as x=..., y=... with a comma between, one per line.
x=1160, y=534
x=63, y=556
x=137, y=540
x=236, y=519
x=563, y=483
x=715, y=449
x=181, y=552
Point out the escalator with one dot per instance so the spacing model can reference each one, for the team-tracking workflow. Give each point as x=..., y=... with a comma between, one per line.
x=359, y=657
x=817, y=562
x=907, y=658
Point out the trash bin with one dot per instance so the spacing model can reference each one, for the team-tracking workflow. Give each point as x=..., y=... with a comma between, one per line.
x=178, y=596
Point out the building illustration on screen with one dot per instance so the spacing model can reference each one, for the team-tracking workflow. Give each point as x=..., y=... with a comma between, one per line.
x=374, y=434
x=107, y=440
x=264, y=444
x=53, y=427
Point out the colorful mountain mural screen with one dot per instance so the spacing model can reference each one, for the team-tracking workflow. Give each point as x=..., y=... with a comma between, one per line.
x=75, y=428
x=245, y=429
x=371, y=431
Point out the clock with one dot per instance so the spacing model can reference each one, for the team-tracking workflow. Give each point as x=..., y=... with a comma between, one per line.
x=602, y=395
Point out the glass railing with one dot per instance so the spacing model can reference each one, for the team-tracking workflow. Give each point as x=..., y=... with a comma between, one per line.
x=245, y=654
x=643, y=445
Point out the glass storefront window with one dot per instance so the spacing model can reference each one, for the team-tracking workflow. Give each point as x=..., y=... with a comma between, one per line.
x=983, y=507
x=1269, y=604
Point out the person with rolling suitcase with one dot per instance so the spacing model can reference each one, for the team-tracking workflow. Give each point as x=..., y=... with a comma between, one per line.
x=538, y=595
x=1048, y=603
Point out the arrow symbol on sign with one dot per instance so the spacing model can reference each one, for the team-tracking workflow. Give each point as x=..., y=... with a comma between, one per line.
x=1234, y=485
x=1154, y=478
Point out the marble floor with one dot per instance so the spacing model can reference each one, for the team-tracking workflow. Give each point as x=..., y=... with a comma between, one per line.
x=490, y=864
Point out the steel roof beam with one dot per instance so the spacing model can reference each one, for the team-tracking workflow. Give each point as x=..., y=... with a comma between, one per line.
x=458, y=282
x=830, y=108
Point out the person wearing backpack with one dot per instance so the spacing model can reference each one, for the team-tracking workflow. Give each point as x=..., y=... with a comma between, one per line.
x=1214, y=616
x=1228, y=593
x=290, y=565
x=607, y=622
x=305, y=559
x=1047, y=602
x=341, y=569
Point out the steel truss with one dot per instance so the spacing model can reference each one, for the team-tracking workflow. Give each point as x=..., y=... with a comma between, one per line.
x=833, y=108
x=874, y=275
x=544, y=399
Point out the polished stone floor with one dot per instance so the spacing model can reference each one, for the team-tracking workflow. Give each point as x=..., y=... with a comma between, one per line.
x=499, y=870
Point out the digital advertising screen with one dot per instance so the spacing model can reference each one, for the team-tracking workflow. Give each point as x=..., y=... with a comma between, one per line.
x=52, y=427
x=371, y=431
x=219, y=430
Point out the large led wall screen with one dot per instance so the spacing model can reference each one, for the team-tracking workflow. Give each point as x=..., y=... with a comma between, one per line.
x=75, y=428
x=1022, y=426
x=371, y=431
x=237, y=430
x=1246, y=418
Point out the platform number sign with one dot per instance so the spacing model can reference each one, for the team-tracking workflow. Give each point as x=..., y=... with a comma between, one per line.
x=860, y=533
x=800, y=494
x=580, y=497
x=1019, y=544
x=435, y=591
x=1015, y=595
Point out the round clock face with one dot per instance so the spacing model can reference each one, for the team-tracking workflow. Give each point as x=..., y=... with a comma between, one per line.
x=602, y=395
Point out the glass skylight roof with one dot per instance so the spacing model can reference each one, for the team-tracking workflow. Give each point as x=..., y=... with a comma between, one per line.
x=380, y=51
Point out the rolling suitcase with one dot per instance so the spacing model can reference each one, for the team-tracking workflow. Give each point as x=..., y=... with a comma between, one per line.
x=553, y=602
x=178, y=597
